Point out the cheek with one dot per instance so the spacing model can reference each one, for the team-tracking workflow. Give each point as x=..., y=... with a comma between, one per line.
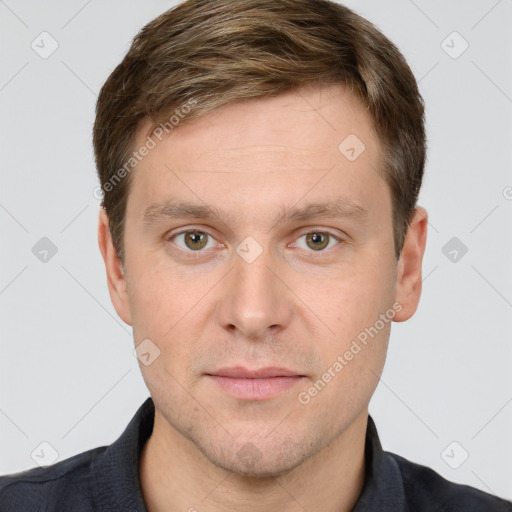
x=354, y=354
x=151, y=307
x=351, y=299
x=161, y=295
x=166, y=309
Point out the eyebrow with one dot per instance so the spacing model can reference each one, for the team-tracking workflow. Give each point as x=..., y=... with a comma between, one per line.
x=339, y=208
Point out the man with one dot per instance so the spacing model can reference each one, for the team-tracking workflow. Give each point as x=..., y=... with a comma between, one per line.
x=261, y=162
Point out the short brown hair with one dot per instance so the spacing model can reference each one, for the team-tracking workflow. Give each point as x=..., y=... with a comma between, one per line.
x=212, y=52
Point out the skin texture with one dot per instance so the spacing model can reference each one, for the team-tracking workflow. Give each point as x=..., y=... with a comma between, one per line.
x=293, y=306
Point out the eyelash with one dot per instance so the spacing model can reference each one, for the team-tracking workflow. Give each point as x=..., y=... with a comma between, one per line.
x=194, y=254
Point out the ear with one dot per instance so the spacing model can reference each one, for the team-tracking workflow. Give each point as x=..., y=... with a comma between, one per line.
x=116, y=278
x=408, y=276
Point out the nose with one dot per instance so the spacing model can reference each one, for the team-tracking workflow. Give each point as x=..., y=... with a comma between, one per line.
x=254, y=302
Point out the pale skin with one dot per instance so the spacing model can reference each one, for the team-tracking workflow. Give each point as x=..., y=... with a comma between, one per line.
x=296, y=305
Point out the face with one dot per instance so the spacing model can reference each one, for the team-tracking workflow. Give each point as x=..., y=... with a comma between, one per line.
x=260, y=274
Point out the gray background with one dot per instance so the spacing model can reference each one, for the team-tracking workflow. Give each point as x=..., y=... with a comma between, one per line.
x=68, y=376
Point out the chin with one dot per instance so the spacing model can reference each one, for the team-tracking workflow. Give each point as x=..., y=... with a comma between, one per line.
x=255, y=461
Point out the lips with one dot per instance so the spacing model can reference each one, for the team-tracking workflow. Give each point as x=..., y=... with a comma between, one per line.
x=257, y=384
x=239, y=372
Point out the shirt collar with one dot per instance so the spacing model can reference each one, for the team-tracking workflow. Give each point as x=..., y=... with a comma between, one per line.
x=115, y=477
x=383, y=489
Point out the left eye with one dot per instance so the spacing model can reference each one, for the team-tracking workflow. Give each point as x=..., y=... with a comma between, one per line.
x=316, y=240
x=194, y=240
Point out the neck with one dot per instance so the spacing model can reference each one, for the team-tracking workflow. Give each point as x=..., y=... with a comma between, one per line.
x=175, y=475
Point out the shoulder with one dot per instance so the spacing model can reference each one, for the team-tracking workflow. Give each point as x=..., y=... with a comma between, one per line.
x=48, y=488
x=426, y=490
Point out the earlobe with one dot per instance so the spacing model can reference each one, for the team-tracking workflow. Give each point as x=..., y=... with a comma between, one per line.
x=116, y=279
x=409, y=267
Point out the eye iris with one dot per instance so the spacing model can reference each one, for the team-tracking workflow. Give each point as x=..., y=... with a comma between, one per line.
x=195, y=240
x=317, y=241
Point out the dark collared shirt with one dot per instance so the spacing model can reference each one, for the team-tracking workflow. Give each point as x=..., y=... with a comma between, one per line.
x=106, y=479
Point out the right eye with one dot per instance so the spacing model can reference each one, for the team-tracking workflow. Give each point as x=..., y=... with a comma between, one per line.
x=193, y=240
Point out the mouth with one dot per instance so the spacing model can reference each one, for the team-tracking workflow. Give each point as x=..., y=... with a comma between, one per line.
x=258, y=384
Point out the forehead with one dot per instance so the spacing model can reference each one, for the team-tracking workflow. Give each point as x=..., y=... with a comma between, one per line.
x=318, y=142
